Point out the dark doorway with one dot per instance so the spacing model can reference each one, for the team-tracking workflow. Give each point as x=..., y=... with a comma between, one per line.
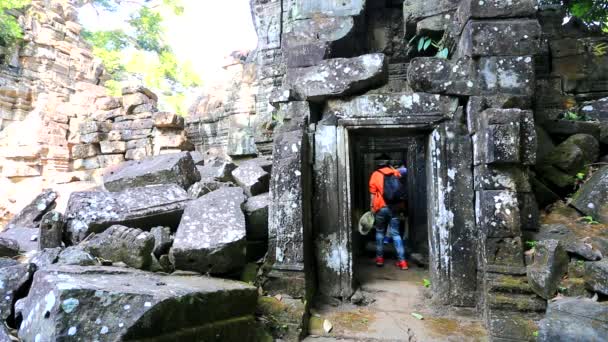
x=366, y=147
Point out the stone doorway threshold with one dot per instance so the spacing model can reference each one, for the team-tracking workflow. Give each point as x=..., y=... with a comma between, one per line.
x=396, y=294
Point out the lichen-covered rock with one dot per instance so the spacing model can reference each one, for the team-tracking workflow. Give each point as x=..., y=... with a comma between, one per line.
x=30, y=216
x=13, y=279
x=550, y=263
x=8, y=247
x=51, y=230
x=122, y=244
x=113, y=304
x=174, y=168
x=76, y=256
x=574, y=154
x=495, y=9
x=84, y=151
x=252, y=178
x=26, y=238
x=218, y=169
x=574, y=319
x=338, y=77
x=94, y=211
x=205, y=186
x=162, y=240
x=515, y=37
x=592, y=197
x=46, y=257
x=596, y=276
x=211, y=235
x=256, y=216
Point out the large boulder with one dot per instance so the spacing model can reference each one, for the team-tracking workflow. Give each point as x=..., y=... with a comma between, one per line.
x=338, y=77
x=172, y=168
x=122, y=244
x=146, y=207
x=30, y=216
x=574, y=319
x=113, y=304
x=550, y=263
x=596, y=276
x=252, y=178
x=592, y=197
x=211, y=235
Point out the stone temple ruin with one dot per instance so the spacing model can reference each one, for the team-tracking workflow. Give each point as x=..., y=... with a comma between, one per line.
x=267, y=177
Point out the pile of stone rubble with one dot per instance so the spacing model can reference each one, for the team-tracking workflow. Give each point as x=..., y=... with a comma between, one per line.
x=153, y=243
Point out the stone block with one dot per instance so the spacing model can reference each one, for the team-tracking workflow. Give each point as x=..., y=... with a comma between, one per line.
x=414, y=10
x=90, y=126
x=123, y=304
x=206, y=186
x=211, y=235
x=87, y=163
x=574, y=154
x=107, y=103
x=106, y=160
x=8, y=247
x=76, y=256
x=574, y=319
x=113, y=147
x=93, y=138
x=51, y=230
x=162, y=240
x=596, y=276
x=122, y=244
x=592, y=197
x=338, y=77
x=130, y=101
x=502, y=144
x=529, y=211
x=26, y=238
x=176, y=168
x=498, y=213
x=85, y=151
x=252, y=178
x=549, y=265
x=504, y=252
x=516, y=302
x=302, y=9
x=256, y=216
x=501, y=177
x=511, y=325
x=94, y=211
x=168, y=120
x=514, y=37
x=14, y=280
x=140, y=124
x=134, y=89
x=474, y=9
x=31, y=215
x=220, y=170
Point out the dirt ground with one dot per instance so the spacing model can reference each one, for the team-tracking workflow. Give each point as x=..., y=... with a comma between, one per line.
x=397, y=295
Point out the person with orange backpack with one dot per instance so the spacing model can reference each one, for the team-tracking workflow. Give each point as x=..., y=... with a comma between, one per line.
x=385, y=195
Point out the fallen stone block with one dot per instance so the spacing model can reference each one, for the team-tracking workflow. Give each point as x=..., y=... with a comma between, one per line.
x=211, y=235
x=574, y=319
x=592, y=197
x=30, y=216
x=94, y=211
x=176, y=168
x=50, y=233
x=74, y=255
x=162, y=240
x=549, y=265
x=206, y=186
x=8, y=247
x=26, y=238
x=122, y=244
x=218, y=169
x=14, y=279
x=338, y=77
x=574, y=154
x=256, y=216
x=596, y=276
x=252, y=178
x=46, y=257
x=114, y=304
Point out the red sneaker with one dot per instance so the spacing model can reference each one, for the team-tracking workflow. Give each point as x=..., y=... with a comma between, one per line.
x=379, y=261
x=402, y=265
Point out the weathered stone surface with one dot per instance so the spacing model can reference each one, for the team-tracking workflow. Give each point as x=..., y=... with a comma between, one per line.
x=469, y=9
x=110, y=147
x=94, y=211
x=256, y=216
x=592, y=198
x=211, y=235
x=51, y=230
x=265, y=162
x=252, y=178
x=46, y=257
x=85, y=151
x=89, y=303
x=596, y=276
x=574, y=154
x=574, y=319
x=338, y=77
x=168, y=120
x=131, y=101
x=162, y=240
x=122, y=244
x=498, y=213
x=550, y=263
x=27, y=238
x=134, y=89
x=413, y=10
x=175, y=168
x=330, y=8
x=219, y=170
x=515, y=37
x=29, y=217
x=507, y=252
x=87, y=164
x=14, y=280
x=75, y=255
x=8, y=247
x=206, y=186
x=106, y=160
x=505, y=325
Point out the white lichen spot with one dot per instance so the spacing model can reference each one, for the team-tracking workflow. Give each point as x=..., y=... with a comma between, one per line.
x=127, y=307
x=591, y=206
x=104, y=330
x=72, y=331
x=147, y=304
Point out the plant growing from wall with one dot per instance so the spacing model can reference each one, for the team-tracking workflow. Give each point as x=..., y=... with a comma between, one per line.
x=425, y=42
x=10, y=30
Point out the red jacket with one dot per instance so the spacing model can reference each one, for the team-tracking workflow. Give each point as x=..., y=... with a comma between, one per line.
x=376, y=186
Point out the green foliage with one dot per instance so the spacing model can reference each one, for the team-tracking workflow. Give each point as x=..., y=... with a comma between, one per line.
x=426, y=283
x=594, y=13
x=142, y=52
x=531, y=244
x=424, y=43
x=572, y=116
x=535, y=334
x=580, y=263
x=589, y=220
x=10, y=30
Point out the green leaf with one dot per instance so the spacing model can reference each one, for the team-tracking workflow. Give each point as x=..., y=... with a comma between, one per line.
x=443, y=53
x=427, y=44
x=421, y=43
x=417, y=316
x=426, y=283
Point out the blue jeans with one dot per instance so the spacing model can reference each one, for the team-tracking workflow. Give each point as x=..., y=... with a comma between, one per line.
x=387, y=218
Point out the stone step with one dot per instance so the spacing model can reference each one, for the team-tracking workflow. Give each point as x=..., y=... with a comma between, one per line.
x=505, y=283
x=516, y=302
